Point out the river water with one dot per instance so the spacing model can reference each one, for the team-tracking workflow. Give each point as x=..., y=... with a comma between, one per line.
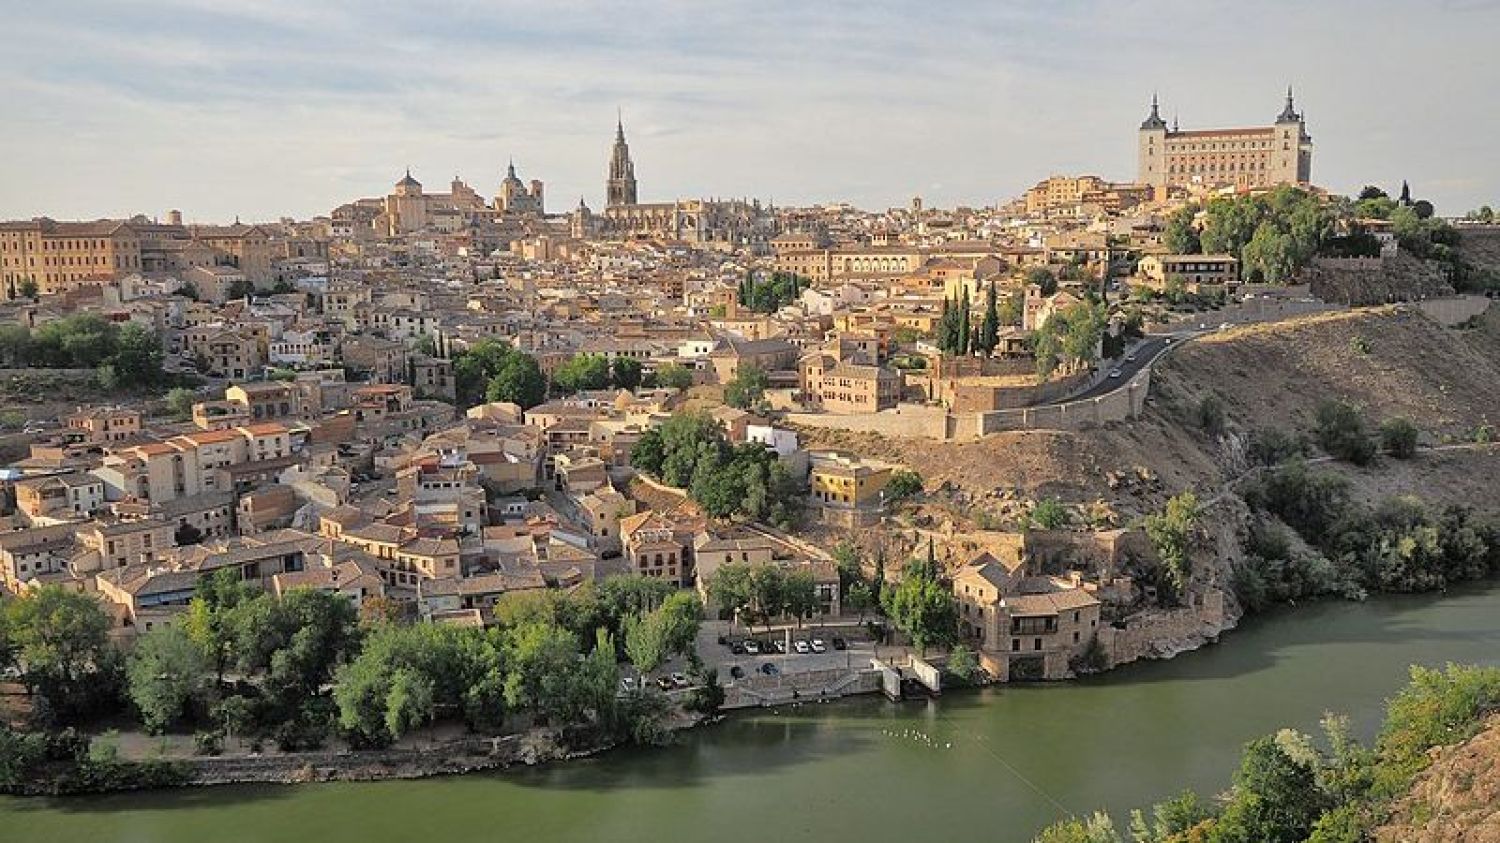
x=994, y=765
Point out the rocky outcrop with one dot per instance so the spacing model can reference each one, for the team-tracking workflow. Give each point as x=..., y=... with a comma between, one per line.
x=1456, y=800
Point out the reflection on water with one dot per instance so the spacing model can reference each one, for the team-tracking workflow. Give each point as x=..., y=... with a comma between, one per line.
x=990, y=765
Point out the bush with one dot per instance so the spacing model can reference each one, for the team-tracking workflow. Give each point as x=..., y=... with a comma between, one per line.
x=1342, y=432
x=1398, y=437
x=1272, y=445
x=1211, y=414
x=208, y=743
x=1050, y=514
x=904, y=484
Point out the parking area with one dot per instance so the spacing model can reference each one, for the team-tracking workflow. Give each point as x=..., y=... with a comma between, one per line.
x=739, y=653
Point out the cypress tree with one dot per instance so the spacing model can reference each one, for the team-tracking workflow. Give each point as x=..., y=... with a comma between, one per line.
x=963, y=325
x=989, y=332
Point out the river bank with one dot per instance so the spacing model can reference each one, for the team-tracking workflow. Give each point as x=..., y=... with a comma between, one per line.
x=1001, y=762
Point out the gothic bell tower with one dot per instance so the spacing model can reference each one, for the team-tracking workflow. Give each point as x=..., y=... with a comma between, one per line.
x=619, y=188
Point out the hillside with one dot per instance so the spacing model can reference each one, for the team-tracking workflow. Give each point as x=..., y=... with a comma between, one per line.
x=1456, y=800
x=1389, y=361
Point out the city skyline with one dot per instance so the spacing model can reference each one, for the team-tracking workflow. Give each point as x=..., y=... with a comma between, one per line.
x=274, y=110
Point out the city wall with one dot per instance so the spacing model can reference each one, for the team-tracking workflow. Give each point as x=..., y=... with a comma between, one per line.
x=1160, y=635
x=1454, y=310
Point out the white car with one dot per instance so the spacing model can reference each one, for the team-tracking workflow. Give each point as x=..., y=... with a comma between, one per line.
x=1115, y=373
x=801, y=647
x=627, y=684
x=818, y=646
x=679, y=680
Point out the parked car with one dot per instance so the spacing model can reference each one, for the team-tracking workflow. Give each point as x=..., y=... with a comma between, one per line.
x=769, y=669
x=664, y=683
x=1115, y=373
x=780, y=645
x=801, y=647
x=679, y=680
x=1130, y=358
x=736, y=671
x=752, y=647
x=839, y=643
x=818, y=646
x=738, y=649
x=724, y=639
x=627, y=684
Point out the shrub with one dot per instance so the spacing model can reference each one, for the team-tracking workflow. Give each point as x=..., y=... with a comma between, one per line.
x=1211, y=414
x=1398, y=437
x=1343, y=433
x=1050, y=514
x=1272, y=445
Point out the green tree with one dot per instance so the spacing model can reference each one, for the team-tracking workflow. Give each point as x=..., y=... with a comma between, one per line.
x=27, y=288
x=1098, y=828
x=1341, y=430
x=673, y=376
x=1050, y=514
x=167, y=674
x=747, y=388
x=860, y=599
x=180, y=401
x=963, y=663
x=1171, y=534
x=519, y=380
x=1275, y=797
x=1042, y=277
x=1181, y=236
x=903, y=484
x=625, y=373
x=540, y=660
x=1398, y=437
x=989, y=327
x=138, y=356
x=922, y=607
x=645, y=643
x=582, y=372
x=800, y=594
x=60, y=641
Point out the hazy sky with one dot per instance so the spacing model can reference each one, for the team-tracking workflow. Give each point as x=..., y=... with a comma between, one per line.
x=264, y=108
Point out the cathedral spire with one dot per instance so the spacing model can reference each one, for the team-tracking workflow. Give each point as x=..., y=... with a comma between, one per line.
x=1153, y=120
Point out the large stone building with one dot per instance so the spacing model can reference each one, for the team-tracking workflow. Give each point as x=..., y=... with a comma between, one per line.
x=1245, y=158
x=516, y=198
x=724, y=223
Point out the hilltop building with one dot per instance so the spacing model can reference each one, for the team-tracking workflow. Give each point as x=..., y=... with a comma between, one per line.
x=1243, y=158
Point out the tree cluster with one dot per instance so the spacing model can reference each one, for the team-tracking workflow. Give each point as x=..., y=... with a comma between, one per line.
x=956, y=332
x=763, y=593
x=922, y=606
x=748, y=387
x=126, y=355
x=1353, y=548
x=1273, y=235
x=490, y=370
x=690, y=452
x=768, y=294
x=595, y=371
x=1172, y=532
x=1070, y=338
x=1291, y=787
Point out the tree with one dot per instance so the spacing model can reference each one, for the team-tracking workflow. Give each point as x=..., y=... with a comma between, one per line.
x=60, y=641
x=729, y=589
x=673, y=376
x=167, y=674
x=209, y=619
x=922, y=607
x=903, y=484
x=625, y=373
x=859, y=598
x=747, y=388
x=645, y=643
x=767, y=593
x=186, y=534
x=1042, y=277
x=1275, y=798
x=1181, y=236
x=1341, y=431
x=27, y=288
x=1050, y=514
x=1098, y=828
x=964, y=343
x=800, y=594
x=540, y=660
x=519, y=380
x=582, y=372
x=1398, y=437
x=963, y=663
x=989, y=328
x=1211, y=414
x=680, y=615
x=180, y=401
x=1171, y=532
x=1370, y=191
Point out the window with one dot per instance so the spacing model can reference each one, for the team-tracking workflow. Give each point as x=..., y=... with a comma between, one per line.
x=1015, y=645
x=1036, y=644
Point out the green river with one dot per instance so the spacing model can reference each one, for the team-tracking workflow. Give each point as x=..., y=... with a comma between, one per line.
x=994, y=765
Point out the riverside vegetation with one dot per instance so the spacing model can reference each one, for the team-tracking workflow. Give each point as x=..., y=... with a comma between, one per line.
x=307, y=668
x=1291, y=788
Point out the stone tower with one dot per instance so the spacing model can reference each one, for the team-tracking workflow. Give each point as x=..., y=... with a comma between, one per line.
x=1291, y=158
x=1151, y=167
x=619, y=189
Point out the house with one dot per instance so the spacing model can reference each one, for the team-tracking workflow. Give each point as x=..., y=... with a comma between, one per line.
x=59, y=497
x=1198, y=273
x=1024, y=627
x=847, y=491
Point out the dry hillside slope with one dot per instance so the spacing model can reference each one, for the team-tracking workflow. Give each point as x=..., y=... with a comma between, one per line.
x=1456, y=800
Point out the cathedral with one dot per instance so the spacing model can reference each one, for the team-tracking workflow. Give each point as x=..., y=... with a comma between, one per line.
x=711, y=223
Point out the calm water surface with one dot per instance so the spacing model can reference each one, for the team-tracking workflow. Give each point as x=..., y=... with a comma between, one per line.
x=993, y=766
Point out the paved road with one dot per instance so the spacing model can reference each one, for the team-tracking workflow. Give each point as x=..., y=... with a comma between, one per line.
x=1144, y=353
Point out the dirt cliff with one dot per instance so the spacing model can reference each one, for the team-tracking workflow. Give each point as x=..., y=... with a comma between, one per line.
x=1456, y=800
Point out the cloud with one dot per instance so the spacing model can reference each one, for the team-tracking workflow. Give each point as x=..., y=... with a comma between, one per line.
x=275, y=107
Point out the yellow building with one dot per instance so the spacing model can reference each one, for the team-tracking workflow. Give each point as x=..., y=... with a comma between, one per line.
x=846, y=490
x=1244, y=158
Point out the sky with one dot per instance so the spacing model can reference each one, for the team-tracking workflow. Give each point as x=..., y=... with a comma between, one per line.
x=260, y=109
